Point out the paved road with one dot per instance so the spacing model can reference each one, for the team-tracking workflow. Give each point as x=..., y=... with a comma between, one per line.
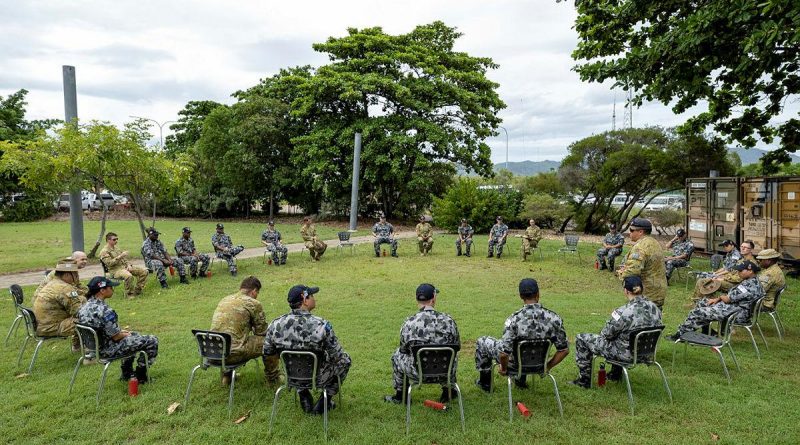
x=31, y=278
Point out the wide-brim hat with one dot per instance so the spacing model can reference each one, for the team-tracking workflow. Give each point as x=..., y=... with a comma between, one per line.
x=709, y=286
x=768, y=254
x=67, y=265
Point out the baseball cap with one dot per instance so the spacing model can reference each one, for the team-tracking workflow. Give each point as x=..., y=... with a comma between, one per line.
x=747, y=265
x=528, y=286
x=220, y=226
x=426, y=292
x=153, y=231
x=680, y=232
x=727, y=242
x=271, y=223
x=499, y=218
x=641, y=223
x=768, y=254
x=299, y=292
x=187, y=230
x=632, y=282
x=98, y=283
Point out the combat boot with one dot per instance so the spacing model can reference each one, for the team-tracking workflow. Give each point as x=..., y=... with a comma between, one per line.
x=396, y=398
x=141, y=374
x=615, y=374
x=458, y=252
x=491, y=255
x=306, y=400
x=184, y=280
x=127, y=370
x=582, y=382
x=319, y=407
x=449, y=394
x=164, y=284
x=484, y=381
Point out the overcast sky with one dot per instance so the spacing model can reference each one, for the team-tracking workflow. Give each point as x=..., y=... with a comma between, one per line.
x=148, y=58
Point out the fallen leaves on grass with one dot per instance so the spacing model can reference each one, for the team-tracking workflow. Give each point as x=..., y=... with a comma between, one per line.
x=22, y=376
x=714, y=437
x=174, y=407
x=242, y=419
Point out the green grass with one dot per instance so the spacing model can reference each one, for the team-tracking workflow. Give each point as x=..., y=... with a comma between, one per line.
x=366, y=299
x=38, y=245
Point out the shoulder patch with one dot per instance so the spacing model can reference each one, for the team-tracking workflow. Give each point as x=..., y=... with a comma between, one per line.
x=615, y=315
x=110, y=316
x=328, y=327
x=635, y=256
x=73, y=294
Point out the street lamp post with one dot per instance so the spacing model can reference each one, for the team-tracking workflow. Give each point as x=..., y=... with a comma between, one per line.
x=160, y=126
x=506, y=131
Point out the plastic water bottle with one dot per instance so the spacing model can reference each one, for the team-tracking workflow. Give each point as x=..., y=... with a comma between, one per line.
x=435, y=405
x=133, y=387
x=523, y=409
x=597, y=265
x=171, y=270
x=601, y=375
x=384, y=252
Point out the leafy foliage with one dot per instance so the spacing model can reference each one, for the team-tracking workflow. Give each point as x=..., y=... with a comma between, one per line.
x=546, y=210
x=479, y=205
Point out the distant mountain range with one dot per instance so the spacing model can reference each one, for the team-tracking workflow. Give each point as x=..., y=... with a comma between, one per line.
x=752, y=155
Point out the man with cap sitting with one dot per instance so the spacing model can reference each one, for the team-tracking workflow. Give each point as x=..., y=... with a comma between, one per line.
x=646, y=260
x=637, y=313
x=726, y=279
x=187, y=253
x=224, y=248
x=58, y=303
x=612, y=248
x=737, y=299
x=531, y=322
x=242, y=316
x=771, y=276
x=383, y=233
x=723, y=264
x=427, y=327
x=79, y=258
x=316, y=247
x=114, y=341
x=299, y=330
x=497, y=237
x=271, y=239
x=424, y=236
x=464, y=237
x=116, y=261
x=682, y=249
x=156, y=258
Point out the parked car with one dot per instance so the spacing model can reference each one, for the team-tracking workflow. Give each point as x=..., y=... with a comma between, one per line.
x=663, y=202
x=93, y=201
x=62, y=203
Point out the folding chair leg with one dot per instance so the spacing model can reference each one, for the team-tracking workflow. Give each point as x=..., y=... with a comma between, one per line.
x=461, y=408
x=558, y=396
x=230, y=393
x=408, y=409
x=724, y=366
x=664, y=378
x=733, y=354
x=74, y=374
x=761, y=333
x=13, y=328
x=189, y=387
x=22, y=350
x=779, y=324
x=628, y=385
x=102, y=383
x=510, y=403
x=35, y=353
x=275, y=406
x=325, y=412
x=753, y=341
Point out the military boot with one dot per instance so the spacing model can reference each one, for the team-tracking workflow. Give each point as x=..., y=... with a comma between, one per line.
x=484, y=381
x=319, y=407
x=184, y=280
x=458, y=251
x=164, y=284
x=615, y=374
x=141, y=374
x=306, y=400
x=449, y=393
x=127, y=370
x=396, y=398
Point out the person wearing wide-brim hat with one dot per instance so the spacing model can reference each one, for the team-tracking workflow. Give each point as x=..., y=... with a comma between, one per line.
x=646, y=260
x=58, y=302
x=114, y=341
x=424, y=236
x=771, y=276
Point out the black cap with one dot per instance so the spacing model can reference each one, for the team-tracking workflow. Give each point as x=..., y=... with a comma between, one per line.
x=641, y=223
x=422, y=217
x=187, y=230
x=426, y=292
x=727, y=242
x=528, y=287
x=220, y=226
x=632, y=282
x=271, y=223
x=299, y=292
x=747, y=265
x=680, y=232
x=463, y=220
x=499, y=218
x=98, y=283
x=612, y=225
x=152, y=231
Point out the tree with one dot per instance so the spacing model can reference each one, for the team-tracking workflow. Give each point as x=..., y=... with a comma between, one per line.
x=543, y=182
x=466, y=198
x=546, y=210
x=741, y=57
x=189, y=128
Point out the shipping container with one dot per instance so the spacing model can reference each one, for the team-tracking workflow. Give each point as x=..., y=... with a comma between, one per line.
x=712, y=206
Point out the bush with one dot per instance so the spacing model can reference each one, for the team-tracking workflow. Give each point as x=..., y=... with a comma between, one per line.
x=546, y=210
x=33, y=207
x=665, y=219
x=480, y=206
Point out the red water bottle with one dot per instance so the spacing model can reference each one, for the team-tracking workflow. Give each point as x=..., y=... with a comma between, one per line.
x=208, y=274
x=384, y=252
x=597, y=265
x=133, y=387
x=171, y=270
x=523, y=409
x=269, y=261
x=435, y=405
x=601, y=375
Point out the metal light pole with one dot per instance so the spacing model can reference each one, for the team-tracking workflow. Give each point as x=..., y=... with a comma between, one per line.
x=354, y=188
x=71, y=116
x=160, y=126
x=504, y=129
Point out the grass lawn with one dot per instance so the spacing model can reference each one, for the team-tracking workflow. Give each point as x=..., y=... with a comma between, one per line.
x=38, y=245
x=366, y=299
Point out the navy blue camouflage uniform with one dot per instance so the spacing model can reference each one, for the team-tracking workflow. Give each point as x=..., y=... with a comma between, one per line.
x=154, y=252
x=426, y=327
x=606, y=256
x=464, y=232
x=741, y=297
x=185, y=249
x=383, y=234
x=497, y=238
x=224, y=248
x=274, y=246
x=679, y=248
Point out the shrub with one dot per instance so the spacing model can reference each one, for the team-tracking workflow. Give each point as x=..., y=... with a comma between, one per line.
x=480, y=206
x=33, y=207
x=546, y=210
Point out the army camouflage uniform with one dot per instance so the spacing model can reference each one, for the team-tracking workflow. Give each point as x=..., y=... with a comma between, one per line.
x=466, y=233
x=299, y=329
x=497, y=238
x=152, y=250
x=98, y=315
x=224, y=248
x=772, y=280
x=384, y=236
x=646, y=260
x=243, y=318
x=607, y=256
x=80, y=287
x=274, y=246
x=612, y=342
x=135, y=277
x=741, y=296
x=530, y=240
x=424, y=237
x=679, y=248
x=727, y=262
x=315, y=246
x=55, y=309
x=426, y=327
x=185, y=248
x=727, y=281
x=531, y=322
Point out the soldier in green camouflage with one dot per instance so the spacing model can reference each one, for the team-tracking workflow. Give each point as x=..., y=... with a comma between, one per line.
x=424, y=236
x=532, y=322
x=186, y=251
x=646, y=260
x=242, y=316
x=316, y=247
x=637, y=313
x=771, y=276
x=79, y=258
x=58, y=303
x=682, y=249
x=530, y=239
x=116, y=261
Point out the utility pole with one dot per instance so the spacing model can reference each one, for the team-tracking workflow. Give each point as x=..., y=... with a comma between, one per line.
x=71, y=117
x=354, y=188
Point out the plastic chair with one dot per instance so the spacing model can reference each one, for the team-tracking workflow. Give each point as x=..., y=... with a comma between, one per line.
x=30, y=328
x=571, y=245
x=642, y=345
x=301, y=368
x=715, y=343
x=214, y=348
x=774, y=314
x=16, y=296
x=344, y=241
x=755, y=311
x=90, y=345
x=434, y=365
x=531, y=358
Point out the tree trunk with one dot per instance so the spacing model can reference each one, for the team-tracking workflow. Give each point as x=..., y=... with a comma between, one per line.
x=93, y=252
x=138, y=210
x=271, y=205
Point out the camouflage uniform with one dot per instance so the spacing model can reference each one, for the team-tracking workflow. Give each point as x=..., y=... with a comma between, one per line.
x=185, y=250
x=135, y=277
x=299, y=329
x=384, y=236
x=741, y=297
x=243, y=318
x=424, y=237
x=679, y=248
x=152, y=250
x=612, y=342
x=606, y=257
x=274, y=246
x=80, y=287
x=426, y=327
x=224, y=248
x=730, y=260
x=466, y=233
x=315, y=246
x=55, y=309
x=727, y=281
x=646, y=260
x=531, y=322
x=98, y=315
x=530, y=240
x=497, y=237
x=772, y=279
